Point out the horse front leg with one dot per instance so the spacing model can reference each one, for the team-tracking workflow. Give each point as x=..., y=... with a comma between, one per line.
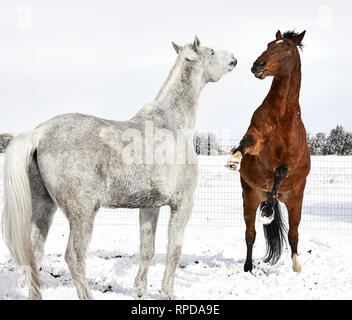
x=148, y=219
x=267, y=207
x=180, y=214
x=273, y=224
x=237, y=153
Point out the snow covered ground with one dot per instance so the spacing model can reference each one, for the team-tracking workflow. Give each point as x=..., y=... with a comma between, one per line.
x=211, y=265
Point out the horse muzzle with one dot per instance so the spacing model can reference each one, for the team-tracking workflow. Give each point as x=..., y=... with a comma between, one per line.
x=259, y=69
x=233, y=64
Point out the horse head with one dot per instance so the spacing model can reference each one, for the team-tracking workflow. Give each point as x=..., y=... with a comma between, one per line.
x=281, y=56
x=214, y=64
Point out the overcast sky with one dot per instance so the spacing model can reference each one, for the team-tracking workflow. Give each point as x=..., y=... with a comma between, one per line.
x=108, y=58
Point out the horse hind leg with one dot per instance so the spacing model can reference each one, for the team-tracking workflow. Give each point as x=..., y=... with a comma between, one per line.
x=81, y=220
x=251, y=201
x=293, y=201
x=43, y=209
x=148, y=219
x=180, y=214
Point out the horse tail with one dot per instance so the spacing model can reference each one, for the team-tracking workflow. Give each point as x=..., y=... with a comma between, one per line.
x=274, y=232
x=17, y=211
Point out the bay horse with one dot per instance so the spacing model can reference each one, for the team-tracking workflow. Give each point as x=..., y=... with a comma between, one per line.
x=80, y=163
x=273, y=155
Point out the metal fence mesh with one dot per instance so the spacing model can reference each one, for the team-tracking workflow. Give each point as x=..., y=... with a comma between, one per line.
x=218, y=200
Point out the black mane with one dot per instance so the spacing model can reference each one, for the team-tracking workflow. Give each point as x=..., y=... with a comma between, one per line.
x=290, y=35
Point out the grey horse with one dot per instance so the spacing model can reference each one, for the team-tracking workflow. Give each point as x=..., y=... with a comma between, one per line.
x=80, y=163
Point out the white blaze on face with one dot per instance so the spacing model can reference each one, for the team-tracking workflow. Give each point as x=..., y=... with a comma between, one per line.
x=279, y=41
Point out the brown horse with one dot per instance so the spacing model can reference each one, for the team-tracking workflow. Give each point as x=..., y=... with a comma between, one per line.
x=274, y=154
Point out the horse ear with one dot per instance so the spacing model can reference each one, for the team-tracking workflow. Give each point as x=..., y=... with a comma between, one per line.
x=278, y=35
x=298, y=39
x=176, y=47
x=196, y=44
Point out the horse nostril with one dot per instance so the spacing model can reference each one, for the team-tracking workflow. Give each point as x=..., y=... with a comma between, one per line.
x=233, y=62
x=261, y=63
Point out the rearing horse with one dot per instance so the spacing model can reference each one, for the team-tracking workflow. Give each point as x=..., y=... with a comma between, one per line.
x=274, y=154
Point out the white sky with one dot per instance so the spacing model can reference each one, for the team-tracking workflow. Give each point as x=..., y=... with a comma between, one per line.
x=108, y=58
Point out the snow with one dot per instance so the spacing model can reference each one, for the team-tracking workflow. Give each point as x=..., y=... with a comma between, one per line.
x=214, y=250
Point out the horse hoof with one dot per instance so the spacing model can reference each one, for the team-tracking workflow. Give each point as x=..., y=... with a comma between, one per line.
x=248, y=267
x=35, y=296
x=140, y=288
x=232, y=166
x=140, y=294
x=167, y=295
x=296, y=266
x=234, y=162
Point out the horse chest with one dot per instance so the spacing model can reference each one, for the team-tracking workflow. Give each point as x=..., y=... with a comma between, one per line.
x=274, y=148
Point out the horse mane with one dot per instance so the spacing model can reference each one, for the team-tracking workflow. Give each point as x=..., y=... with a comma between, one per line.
x=166, y=83
x=290, y=35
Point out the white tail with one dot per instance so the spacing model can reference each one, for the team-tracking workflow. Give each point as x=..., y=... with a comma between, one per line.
x=17, y=213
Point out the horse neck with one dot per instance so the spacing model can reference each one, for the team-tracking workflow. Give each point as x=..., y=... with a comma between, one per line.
x=283, y=96
x=179, y=95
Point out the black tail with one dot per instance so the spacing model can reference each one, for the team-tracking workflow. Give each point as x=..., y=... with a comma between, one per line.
x=274, y=233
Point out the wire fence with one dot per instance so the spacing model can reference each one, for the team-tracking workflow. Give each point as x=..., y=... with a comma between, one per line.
x=218, y=198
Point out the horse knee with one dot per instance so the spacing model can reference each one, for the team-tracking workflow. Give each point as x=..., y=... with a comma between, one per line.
x=174, y=254
x=147, y=253
x=177, y=251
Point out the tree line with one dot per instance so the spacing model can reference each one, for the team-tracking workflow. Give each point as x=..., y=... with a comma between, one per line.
x=338, y=142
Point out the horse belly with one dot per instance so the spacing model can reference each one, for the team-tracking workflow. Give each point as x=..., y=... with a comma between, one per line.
x=140, y=187
x=146, y=198
x=260, y=177
x=255, y=174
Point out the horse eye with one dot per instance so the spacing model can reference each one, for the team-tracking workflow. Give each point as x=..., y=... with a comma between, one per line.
x=287, y=49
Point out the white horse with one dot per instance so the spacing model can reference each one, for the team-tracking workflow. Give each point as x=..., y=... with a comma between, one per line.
x=78, y=163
